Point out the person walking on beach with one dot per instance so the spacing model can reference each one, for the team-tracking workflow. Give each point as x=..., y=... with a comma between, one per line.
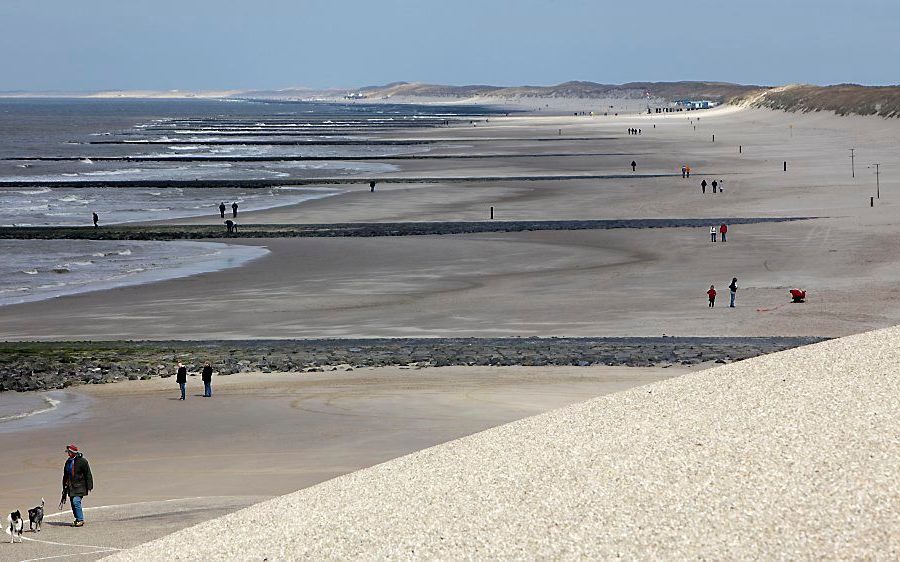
x=688, y=170
x=715, y=185
x=206, y=375
x=733, y=289
x=77, y=482
x=222, y=209
x=711, y=293
x=633, y=166
x=234, y=208
x=712, y=233
x=703, y=186
x=96, y=219
x=683, y=171
x=181, y=378
x=723, y=230
x=372, y=186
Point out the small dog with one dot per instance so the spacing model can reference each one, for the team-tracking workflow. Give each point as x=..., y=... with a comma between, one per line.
x=36, y=517
x=15, y=525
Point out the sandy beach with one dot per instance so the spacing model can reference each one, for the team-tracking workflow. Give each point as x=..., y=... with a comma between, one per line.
x=266, y=435
x=634, y=282
x=165, y=464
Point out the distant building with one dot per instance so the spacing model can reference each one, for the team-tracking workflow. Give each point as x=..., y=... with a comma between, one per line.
x=355, y=96
x=695, y=104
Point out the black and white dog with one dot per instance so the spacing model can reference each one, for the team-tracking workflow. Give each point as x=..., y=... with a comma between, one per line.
x=14, y=526
x=36, y=517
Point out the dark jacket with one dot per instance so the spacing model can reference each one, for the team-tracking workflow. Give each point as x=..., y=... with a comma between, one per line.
x=181, y=376
x=206, y=374
x=78, y=481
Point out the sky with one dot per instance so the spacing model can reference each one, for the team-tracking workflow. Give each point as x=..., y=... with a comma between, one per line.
x=83, y=45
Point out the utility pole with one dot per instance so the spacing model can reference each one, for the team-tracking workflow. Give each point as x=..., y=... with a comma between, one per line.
x=877, y=180
x=852, y=163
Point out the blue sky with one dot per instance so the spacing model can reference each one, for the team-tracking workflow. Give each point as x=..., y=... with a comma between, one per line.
x=211, y=44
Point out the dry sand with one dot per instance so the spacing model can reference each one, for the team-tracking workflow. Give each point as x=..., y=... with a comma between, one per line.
x=787, y=456
x=161, y=464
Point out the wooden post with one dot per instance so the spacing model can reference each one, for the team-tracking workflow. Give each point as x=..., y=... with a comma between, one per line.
x=785, y=165
x=871, y=201
x=740, y=149
x=492, y=213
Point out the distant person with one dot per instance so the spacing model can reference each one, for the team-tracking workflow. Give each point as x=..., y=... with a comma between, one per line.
x=96, y=219
x=733, y=289
x=77, y=482
x=723, y=230
x=372, y=186
x=181, y=378
x=633, y=166
x=712, y=233
x=715, y=184
x=222, y=209
x=684, y=171
x=640, y=132
x=688, y=170
x=206, y=375
x=798, y=295
x=703, y=186
x=234, y=208
x=230, y=226
x=711, y=293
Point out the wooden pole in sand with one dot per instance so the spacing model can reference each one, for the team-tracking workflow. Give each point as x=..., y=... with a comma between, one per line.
x=877, y=180
x=852, y=163
x=492, y=213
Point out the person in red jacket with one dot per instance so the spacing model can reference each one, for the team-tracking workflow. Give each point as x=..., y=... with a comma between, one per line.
x=723, y=230
x=711, y=293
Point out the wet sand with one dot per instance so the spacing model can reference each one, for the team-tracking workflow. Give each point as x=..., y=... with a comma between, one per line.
x=641, y=282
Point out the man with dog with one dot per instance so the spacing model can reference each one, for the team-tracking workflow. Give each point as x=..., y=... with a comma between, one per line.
x=77, y=482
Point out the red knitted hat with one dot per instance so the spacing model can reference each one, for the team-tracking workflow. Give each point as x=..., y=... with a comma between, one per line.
x=72, y=448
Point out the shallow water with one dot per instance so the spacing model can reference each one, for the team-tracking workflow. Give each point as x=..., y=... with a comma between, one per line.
x=35, y=270
x=30, y=410
x=66, y=206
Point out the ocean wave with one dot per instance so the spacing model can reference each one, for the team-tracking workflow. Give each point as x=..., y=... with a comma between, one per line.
x=112, y=172
x=30, y=271
x=49, y=405
x=15, y=290
x=75, y=199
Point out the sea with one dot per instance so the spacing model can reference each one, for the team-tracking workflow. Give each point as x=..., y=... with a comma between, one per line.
x=56, y=154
